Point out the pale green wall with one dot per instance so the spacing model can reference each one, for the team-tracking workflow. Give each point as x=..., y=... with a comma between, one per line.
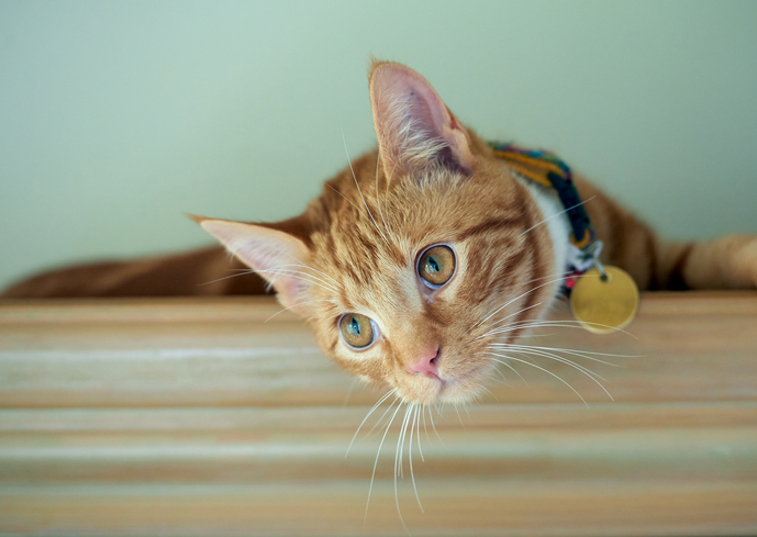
x=118, y=117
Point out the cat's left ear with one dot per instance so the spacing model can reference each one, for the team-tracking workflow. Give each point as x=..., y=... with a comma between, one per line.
x=277, y=256
x=415, y=129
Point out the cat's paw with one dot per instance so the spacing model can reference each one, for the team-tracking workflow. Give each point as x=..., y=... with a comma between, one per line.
x=745, y=262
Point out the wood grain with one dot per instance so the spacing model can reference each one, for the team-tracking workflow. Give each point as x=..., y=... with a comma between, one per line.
x=197, y=417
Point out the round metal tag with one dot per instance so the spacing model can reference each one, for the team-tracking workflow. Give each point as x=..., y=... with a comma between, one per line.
x=603, y=305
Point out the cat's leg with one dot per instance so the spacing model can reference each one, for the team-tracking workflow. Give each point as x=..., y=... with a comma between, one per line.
x=210, y=271
x=724, y=263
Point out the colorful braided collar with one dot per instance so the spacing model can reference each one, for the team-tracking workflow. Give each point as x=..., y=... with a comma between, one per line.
x=546, y=169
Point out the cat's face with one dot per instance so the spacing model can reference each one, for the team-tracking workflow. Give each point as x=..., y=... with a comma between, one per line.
x=411, y=270
x=407, y=291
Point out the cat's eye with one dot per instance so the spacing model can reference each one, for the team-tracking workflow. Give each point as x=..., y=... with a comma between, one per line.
x=358, y=331
x=436, y=265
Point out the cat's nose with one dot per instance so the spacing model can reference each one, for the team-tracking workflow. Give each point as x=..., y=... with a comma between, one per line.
x=426, y=364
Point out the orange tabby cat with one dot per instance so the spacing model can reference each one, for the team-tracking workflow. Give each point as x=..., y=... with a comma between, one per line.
x=419, y=257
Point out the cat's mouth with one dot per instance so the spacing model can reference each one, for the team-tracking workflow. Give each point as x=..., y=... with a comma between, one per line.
x=441, y=387
x=433, y=376
x=453, y=387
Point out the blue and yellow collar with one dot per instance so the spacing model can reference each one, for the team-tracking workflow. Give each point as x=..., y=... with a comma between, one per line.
x=548, y=170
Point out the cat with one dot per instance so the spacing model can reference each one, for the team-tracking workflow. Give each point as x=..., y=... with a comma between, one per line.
x=422, y=257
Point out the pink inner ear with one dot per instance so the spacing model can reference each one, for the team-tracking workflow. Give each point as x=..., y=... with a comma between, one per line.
x=280, y=258
x=424, y=105
x=413, y=125
x=278, y=261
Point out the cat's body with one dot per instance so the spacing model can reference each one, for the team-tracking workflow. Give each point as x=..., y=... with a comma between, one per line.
x=212, y=271
x=365, y=263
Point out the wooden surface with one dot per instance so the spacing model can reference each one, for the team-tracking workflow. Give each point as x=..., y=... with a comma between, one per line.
x=196, y=417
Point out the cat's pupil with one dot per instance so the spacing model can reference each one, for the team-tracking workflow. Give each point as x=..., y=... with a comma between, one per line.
x=355, y=327
x=432, y=265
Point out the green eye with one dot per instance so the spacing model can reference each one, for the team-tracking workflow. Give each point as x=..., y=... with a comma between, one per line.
x=436, y=265
x=357, y=331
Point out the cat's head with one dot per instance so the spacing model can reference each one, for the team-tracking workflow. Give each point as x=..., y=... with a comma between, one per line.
x=413, y=264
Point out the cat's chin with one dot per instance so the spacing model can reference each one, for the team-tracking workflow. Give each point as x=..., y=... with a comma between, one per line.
x=452, y=390
x=459, y=391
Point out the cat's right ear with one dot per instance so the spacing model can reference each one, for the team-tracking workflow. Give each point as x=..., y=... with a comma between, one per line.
x=415, y=129
x=277, y=256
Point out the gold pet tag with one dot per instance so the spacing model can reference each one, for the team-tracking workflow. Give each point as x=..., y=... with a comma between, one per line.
x=604, y=305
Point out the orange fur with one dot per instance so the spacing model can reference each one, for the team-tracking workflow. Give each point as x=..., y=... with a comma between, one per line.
x=356, y=246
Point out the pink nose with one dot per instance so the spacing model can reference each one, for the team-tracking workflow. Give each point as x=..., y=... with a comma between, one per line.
x=426, y=364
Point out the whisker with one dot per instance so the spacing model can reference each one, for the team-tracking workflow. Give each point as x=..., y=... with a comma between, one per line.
x=378, y=198
x=354, y=383
x=564, y=275
x=593, y=376
x=298, y=263
x=296, y=275
x=378, y=422
x=494, y=325
x=548, y=372
x=371, y=411
x=425, y=429
x=553, y=280
x=345, y=197
x=501, y=374
x=398, y=469
x=302, y=265
x=522, y=336
x=457, y=411
x=293, y=273
x=433, y=425
x=410, y=456
x=349, y=161
x=375, y=464
x=562, y=323
x=246, y=272
x=580, y=354
x=488, y=391
x=398, y=459
x=513, y=300
x=553, y=277
x=298, y=304
x=517, y=313
x=511, y=368
x=418, y=414
x=558, y=214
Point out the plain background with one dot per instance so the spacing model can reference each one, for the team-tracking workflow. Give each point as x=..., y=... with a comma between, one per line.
x=118, y=117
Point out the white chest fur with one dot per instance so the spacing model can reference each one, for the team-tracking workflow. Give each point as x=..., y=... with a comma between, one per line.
x=555, y=218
